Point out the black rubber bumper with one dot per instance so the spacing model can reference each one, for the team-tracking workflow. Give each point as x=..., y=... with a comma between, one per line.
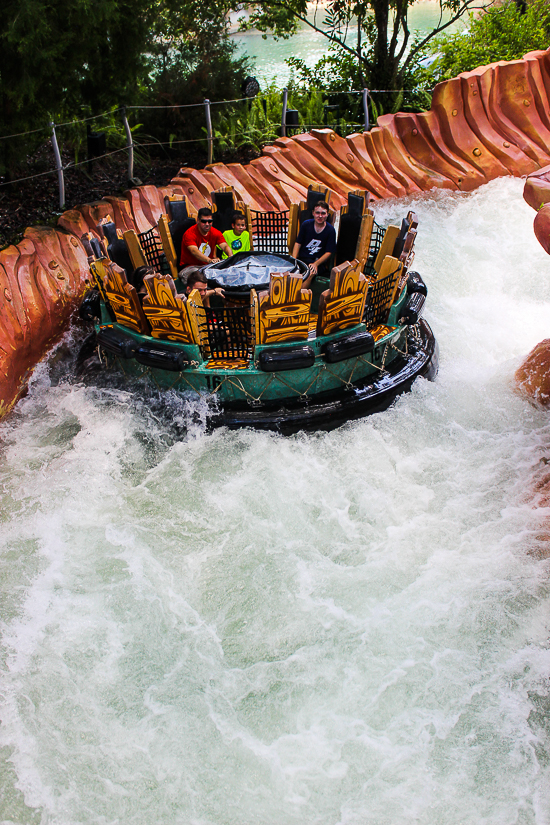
x=328, y=412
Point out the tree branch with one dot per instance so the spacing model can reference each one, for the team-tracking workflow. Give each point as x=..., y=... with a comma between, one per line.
x=400, y=22
x=302, y=17
x=469, y=5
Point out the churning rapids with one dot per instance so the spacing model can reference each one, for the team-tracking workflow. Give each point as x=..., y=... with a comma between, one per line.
x=333, y=628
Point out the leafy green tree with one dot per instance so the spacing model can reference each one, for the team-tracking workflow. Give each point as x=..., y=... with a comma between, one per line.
x=61, y=59
x=369, y=41
x=503, y=33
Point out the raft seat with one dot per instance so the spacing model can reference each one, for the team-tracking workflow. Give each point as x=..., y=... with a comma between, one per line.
x=167, y=312
x=395, y=241
x=117, y=250
x=225, y=201
x=343, y=304
x=181, y=215
x=268, y=231
x=355, y=229
x=224, y=334
x=381, y=295
x=119, y=295
x=281, y=313
x=146, y=249
x=303, y=211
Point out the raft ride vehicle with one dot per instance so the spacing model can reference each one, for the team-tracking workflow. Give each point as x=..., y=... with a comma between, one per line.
x=272, y=355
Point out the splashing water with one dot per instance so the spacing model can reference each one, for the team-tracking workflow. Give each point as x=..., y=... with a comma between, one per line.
x=331, y=628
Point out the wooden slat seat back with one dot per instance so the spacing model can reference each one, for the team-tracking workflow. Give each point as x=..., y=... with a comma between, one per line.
x=282, y=312
x=168, y=244
x=167, y=312
x=95, y=247
x=382, y=292
x=404, y=247
x=408, y=224
x=121, y=295
x=137, y=255
x=199, y=324
x=355, y=228
x=343, y=304
x=387, y=246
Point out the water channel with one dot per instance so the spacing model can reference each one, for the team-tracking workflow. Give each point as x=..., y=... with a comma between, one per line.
x=342, y=629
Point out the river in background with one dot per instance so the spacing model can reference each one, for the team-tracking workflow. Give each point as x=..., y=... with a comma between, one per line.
x=330, y=628
x=269, y=55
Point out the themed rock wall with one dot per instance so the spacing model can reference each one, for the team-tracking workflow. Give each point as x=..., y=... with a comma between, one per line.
x=532, y=378
x=40, y=279
x=483, y=124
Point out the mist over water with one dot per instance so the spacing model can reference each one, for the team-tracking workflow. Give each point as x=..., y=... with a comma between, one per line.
x=331, y=628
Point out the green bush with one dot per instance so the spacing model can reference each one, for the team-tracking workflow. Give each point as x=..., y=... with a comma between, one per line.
x=503, y=33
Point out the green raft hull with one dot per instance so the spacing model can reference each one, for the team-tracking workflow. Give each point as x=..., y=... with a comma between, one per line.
x=321, y=396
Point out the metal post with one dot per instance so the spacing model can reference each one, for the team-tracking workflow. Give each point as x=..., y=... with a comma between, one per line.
x=283, y=116
x=366, y=109
x=129, y=144
x=209, y=137
x=59, y=167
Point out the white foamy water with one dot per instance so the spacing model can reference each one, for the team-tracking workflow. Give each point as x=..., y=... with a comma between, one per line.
x=333, y=628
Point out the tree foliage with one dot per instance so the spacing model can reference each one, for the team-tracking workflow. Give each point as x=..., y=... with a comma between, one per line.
x=61, y=59
x=503, y=33
x=369, y=41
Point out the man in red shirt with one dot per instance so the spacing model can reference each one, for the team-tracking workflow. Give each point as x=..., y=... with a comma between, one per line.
x=198, y=245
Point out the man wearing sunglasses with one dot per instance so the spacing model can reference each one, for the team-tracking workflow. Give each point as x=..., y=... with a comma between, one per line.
x=198, y=245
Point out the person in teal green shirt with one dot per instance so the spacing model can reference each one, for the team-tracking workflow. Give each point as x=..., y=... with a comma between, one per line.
x=237, y=238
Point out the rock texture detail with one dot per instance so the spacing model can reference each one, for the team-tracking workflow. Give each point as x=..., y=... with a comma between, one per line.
x=40, y=279
x=532, y=379
x=483, y=124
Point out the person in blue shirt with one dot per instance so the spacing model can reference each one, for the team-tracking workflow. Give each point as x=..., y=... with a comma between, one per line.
x=315, y=243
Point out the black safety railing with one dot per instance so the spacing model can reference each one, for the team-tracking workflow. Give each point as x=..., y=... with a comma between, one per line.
x=375, y=244
x=229, y=332
x=151, y=245
x=270, y=231
x=378, y=300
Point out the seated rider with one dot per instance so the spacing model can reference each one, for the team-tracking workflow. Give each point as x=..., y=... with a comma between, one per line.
x=198, y=245
x=197, y=280
x=315, y=243
x=237, y=238
x=137, y=280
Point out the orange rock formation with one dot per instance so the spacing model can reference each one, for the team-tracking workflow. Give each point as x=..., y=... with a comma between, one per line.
x=532, y=379
x=483, y=124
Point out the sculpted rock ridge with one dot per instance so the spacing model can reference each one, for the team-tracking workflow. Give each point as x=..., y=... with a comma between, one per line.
x=483, y=124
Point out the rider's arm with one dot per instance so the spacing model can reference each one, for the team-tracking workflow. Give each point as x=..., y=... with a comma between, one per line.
x=199, y=256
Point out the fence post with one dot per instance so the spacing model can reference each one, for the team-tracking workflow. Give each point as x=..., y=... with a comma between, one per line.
x=209, y=137
x=59, y=167
x=366, y=109
x=283, y=116
x=129, y=144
